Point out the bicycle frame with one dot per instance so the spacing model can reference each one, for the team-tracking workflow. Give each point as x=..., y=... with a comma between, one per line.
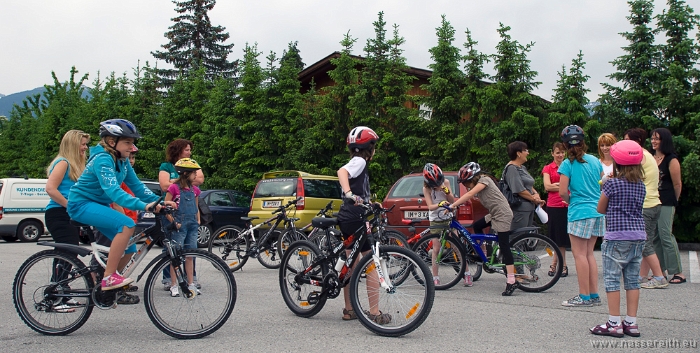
x=353, y=243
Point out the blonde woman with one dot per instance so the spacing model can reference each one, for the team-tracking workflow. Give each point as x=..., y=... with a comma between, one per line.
x=63, y=172
x=605, y=141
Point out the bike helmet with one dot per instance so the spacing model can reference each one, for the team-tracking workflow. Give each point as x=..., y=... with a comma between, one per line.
x=118, y=128
x=361, y=138
x=468, y=171
x=572, y=134
x=186, y=165
x=432, y=175
x=626, y=152
x=134, y=149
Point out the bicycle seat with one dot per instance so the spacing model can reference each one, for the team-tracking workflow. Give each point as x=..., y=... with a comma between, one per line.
x=78, y=224
x=249, y=218
x=294, y=219
x=324, y=223
x=411, y=222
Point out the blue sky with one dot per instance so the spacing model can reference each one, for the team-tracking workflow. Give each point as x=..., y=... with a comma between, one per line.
x=40, y=36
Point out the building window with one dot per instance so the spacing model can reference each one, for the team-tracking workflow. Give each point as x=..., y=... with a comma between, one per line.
x=425, y=112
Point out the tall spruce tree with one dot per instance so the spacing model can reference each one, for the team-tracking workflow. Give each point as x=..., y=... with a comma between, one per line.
x=680, y=57
x=568, y=106
x=194, y=42
x=444, y=90
x=510, y=111
x=635, y=103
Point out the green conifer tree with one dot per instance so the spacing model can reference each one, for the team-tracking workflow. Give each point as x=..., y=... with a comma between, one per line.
x=194, y=42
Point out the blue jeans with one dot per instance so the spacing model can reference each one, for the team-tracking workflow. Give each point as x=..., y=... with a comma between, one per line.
x=621, y=257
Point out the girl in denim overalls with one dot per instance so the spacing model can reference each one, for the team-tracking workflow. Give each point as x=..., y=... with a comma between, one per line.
x=186, y=219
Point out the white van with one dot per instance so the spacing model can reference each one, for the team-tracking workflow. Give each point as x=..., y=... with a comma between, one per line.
x=22, y=206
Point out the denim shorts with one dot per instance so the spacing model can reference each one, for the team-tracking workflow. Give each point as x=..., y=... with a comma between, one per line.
x=621, y=258
x=587, y=227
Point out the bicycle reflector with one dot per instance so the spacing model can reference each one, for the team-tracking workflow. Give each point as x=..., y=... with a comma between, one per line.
x=300, y=193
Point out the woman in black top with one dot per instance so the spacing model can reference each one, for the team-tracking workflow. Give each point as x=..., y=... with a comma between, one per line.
x=670, y=186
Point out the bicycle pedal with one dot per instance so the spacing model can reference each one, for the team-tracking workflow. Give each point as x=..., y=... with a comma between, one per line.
x=313, y=297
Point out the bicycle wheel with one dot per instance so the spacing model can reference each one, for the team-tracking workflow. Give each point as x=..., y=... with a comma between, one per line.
x=302, y=298
x=39, y=290
x=405, y=306
x=474, y=266
x=326, y=240
x=451, y=265
x=533, y=253
x=228, y=244
x=200, y=315
x=392, y=237
x=287, y=238
x=269, y=257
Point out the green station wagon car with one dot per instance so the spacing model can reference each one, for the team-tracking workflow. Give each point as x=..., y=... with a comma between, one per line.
x=279, y=187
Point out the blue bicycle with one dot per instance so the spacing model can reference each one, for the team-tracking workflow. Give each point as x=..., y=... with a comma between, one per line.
x=533, y=254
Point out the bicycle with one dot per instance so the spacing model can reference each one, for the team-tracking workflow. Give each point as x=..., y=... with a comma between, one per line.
x=235, y=246
x=397, y=280
x=529, y=250
x=54, y=292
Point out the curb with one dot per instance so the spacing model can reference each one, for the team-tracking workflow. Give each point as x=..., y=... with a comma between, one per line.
x=689, y=246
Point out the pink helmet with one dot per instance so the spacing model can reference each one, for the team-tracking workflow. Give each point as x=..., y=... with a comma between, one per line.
x=626, y=152
x=134, y=149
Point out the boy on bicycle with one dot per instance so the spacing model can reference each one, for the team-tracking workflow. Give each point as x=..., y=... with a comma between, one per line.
x=354, y=179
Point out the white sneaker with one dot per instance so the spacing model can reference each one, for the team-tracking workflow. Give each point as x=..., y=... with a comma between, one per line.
x=174, y=291
x=193, y=288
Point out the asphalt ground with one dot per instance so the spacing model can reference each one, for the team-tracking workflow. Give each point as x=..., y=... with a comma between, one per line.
x=474, y=319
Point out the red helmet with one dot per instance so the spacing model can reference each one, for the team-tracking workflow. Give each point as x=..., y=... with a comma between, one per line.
x=432, y=175
x=468, y=171
x=362, y=138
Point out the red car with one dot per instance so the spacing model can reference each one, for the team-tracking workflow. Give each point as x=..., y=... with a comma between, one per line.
x=406, y=194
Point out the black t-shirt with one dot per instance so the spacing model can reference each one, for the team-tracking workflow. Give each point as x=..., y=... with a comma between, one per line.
x=667, y=194
x=359, y=185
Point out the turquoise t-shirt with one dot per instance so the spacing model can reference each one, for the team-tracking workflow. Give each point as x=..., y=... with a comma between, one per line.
x=583, y=186
x=170, y=169
x=64, y=187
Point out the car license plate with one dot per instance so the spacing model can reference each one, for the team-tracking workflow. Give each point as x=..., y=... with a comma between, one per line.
x=415, y=214
x=269, y=204
x=148, y=215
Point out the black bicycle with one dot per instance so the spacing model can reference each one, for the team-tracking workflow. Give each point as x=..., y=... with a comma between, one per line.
x=235, y=245
x=390, y=287
x=54, y=292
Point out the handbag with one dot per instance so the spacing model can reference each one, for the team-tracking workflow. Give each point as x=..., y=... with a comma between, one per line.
x=513, y=200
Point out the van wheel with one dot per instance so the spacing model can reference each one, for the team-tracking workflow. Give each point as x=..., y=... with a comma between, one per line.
x=9, y=238
x=30, y=231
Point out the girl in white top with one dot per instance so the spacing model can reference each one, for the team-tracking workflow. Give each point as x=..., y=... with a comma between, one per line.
x=605, y=141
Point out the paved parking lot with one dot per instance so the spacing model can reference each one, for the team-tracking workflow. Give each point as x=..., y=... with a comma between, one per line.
x=466, y=319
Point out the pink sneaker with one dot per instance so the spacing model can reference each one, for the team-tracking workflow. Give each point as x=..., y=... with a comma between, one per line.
x=468, y=281
x=114, y=281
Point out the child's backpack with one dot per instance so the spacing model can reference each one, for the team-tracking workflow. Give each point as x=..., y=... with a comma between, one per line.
x=205, y=215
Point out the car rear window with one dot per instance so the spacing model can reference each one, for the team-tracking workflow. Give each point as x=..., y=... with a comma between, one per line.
x=324, y=189
x=279, y=187
x=412, y=186
x=219, y=198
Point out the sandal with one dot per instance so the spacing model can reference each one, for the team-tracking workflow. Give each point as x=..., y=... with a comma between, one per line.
x=552, y=270
x=676, y=279
x=381, y=318
x=349, y=314
x=128, y=299
x=564, y=271
x=132, y=288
